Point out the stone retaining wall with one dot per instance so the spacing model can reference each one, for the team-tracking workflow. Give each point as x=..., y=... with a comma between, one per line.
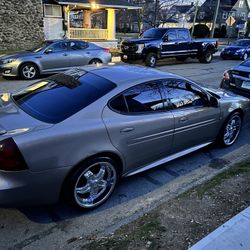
x=21, y=24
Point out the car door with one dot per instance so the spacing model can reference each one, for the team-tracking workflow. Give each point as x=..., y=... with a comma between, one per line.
x=56, y=57
x=184, y=42
x=79, y=53
x=170, y=45
x=139, y=126
x=196, y=121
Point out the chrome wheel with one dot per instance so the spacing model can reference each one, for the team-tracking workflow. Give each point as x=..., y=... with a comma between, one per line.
x=29, y=71
x=95, y=184
x=232, y=130
x=152, y=61
x=209, y=57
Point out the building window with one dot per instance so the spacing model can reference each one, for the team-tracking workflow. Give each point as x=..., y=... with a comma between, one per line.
x=201, y=15
x=243, y=15
x=51, y=10
x=224, y=15
x=241, y=3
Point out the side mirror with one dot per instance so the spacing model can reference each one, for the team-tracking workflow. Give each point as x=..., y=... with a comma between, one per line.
x=166, y=39
x=48, y=51
x=213, y=101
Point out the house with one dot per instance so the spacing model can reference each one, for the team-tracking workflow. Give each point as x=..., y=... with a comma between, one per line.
x=239, y=9
x=83, y=19
x=180, y=16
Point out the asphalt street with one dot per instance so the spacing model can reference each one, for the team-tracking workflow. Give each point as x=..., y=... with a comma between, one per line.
x=60, y=226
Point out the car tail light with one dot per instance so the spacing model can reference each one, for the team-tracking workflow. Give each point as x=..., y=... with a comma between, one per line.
x=226, y=75
x=106, y=50
x=11, y=158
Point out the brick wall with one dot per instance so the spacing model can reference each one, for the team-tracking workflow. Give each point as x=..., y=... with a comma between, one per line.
x=21, y=24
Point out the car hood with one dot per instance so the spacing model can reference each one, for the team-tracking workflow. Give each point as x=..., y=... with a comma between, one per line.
x=234, y=48
x=14, y=120
x=16, y=55
x=141, y=40
x=224, y=94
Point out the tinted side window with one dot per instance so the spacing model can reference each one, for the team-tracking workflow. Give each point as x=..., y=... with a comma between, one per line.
x=75, y=45
x=58, y=47
x=144, y=98
x=119, y=104
x=183, y=34
x=172, y=35
x=182, y=94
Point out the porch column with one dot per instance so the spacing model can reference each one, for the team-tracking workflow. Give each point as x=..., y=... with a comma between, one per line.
x=111, y=24
x=87, y=19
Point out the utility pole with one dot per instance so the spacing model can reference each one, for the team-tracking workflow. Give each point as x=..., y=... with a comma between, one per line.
x=195, y=16
x=215, y=18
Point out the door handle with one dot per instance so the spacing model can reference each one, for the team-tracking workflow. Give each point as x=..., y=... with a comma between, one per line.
x=183, y=119
x=126, y=130
x=65, y=54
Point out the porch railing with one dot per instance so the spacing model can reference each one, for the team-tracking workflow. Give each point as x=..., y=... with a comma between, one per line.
x=85, y=34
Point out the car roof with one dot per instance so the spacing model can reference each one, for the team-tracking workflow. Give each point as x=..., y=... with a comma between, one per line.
x=122, y=74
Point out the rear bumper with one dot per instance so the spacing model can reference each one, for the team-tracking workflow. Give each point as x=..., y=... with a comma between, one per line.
x=226, y=85
x=26, y=188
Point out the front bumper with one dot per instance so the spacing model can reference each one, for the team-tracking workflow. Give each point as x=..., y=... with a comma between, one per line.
x=131, y=57
x=8, y=70
x=26, y=188
x=231, y=55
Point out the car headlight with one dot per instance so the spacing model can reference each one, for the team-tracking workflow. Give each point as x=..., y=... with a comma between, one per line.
x=240, y=50
x=8, y=61
x=140, y=48
x=223, y=50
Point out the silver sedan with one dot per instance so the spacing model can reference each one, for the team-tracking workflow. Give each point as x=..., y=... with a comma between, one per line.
x=73, y=135
x=52, y=57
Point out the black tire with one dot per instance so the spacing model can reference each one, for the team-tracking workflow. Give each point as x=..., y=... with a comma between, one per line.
x=181, y=58
x=230, y=130
x=151, y=60
x=207, y=57
x=95, y=61
x=98, y=176
x=245, y=56
x=28, y=71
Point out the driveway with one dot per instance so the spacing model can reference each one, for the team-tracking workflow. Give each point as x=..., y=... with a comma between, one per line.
x=60, y=226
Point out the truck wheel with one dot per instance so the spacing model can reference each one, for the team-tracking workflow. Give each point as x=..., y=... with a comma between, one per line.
x=207, y=57
x=151, y=60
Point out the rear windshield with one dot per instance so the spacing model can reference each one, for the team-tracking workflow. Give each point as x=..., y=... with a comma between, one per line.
x=246, y=63
x=154, y=33
x=242, y=43
x=53, y=102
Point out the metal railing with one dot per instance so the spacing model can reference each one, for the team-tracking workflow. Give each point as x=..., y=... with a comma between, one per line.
x=85, y=34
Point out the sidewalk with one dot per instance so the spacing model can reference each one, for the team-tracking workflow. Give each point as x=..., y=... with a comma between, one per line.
x=232, y=235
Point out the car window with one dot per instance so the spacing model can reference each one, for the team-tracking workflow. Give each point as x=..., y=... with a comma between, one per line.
x=172, y=35
x=154, y=33
x=119, y=104
x=144, y=98
x=182, y=94
x=59, y=47
x=183, y=34
x=52, y=102
x=77, y=45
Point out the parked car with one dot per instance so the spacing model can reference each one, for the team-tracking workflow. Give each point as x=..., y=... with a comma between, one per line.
x=158, y=43
x=52, y=57
x=237, y=79
x=76, y=133
x=238, y=50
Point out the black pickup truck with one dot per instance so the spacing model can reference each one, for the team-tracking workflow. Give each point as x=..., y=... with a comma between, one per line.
x=157, y=43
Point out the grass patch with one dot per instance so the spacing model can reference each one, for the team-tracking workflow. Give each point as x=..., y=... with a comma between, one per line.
x=146, y=229
x=237, y=169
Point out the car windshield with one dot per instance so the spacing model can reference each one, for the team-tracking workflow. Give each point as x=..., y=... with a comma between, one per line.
x=154, y=33
x=40, y=47
x=53, y=101
x=242, y=43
